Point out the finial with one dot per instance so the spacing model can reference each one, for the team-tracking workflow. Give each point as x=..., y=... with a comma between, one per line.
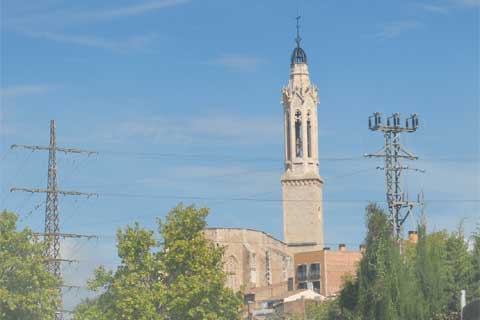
x=298, y=39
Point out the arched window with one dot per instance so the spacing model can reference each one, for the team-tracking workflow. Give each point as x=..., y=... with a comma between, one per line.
x=309, y=136
x=287, y=124
x=231, y=270
x=298, y=135
x=253, y=269
x=268, y=268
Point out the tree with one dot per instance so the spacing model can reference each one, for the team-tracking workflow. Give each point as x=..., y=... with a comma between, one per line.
x=181, y=279
x=193, y=268
x=27, y=290
x=475, y=286
x=459, y=266
x=431, y=271
x=385, y=287
x=133, y=291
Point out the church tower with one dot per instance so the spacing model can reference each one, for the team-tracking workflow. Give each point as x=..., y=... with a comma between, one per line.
x=301, y=181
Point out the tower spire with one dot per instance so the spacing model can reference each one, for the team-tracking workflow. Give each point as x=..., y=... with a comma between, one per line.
x=298, y=39
x=298, y=55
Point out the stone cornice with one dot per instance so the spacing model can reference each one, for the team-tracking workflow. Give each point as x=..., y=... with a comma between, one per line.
x=302, y=181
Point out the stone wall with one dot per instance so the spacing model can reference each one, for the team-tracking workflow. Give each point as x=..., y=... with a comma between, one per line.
x=254, y=260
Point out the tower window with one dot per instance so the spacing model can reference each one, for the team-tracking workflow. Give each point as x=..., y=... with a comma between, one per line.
x=298, y=135
x=309, y=137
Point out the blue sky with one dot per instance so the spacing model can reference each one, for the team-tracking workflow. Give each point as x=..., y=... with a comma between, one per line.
x=182, y=100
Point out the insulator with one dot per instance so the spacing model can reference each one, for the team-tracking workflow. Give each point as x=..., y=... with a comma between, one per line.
x=370, y=123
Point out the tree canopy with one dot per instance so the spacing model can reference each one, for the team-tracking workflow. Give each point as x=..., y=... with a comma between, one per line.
x=179, y=277
x=27, y=290
x=411, y=281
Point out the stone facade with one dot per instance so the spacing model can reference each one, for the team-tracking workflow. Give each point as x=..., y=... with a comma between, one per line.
x=254, y=261
x=301, y=181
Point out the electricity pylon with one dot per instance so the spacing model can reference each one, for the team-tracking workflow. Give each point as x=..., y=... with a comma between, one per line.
x=393, y=152
x=52, y=232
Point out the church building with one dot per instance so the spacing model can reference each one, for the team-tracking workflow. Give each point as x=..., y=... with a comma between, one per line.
x=262, y=266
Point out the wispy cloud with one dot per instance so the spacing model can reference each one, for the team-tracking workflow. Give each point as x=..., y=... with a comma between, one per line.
x=24, y=90
x=238, y=62
x=467, y=3
x=446, y=6
x=128, y=44
x=395, y=29
x=434, y=8
x=136, y=10
x=58, y=15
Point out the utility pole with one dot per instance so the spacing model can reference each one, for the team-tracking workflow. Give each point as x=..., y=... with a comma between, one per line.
x=393, y=152
x=52, y=232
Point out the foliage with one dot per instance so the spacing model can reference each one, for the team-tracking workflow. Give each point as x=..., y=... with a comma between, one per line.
x=475, y=284
x=194, y=278
x=27, y=289
x=386, y=288
x=419, y=281
x=183, y=279
x=459, y=266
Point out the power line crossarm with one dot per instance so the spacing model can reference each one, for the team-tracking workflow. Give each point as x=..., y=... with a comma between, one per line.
x=66, y=150
x=65, y=235
x=71, y=193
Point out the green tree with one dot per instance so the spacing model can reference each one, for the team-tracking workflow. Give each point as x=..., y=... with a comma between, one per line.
x=27, y=290
x=431, y=271
x=460, y=270
x=193, y=268
x=181, y=279
x=133, y=291
x=475, y=257
x=386, y=288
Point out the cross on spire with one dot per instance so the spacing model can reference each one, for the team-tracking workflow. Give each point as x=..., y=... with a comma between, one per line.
x=298, y=38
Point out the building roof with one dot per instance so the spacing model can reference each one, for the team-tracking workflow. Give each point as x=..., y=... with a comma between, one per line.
x=298, y=55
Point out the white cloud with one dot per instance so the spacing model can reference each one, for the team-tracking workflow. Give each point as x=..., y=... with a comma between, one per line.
x=238, y=62
x=394, y=29
x=467, y=3
x=24, y=90
x=446, y=6
x=33, y=16
x=131, y=43
x=434, y=8
x=137, y=9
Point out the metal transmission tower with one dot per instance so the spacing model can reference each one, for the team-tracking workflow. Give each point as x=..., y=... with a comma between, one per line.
x=52, y=232
x=393, y=152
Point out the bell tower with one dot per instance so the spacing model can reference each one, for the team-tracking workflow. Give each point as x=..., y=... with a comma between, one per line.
x=301, y=181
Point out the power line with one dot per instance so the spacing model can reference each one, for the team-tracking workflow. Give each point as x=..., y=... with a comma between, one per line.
x=217, y=157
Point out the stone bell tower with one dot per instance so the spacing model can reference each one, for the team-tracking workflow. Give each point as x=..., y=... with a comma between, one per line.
x=301, y=181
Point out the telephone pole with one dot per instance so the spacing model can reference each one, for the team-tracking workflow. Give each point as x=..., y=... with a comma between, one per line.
x=52, y=232
x=393, y=152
